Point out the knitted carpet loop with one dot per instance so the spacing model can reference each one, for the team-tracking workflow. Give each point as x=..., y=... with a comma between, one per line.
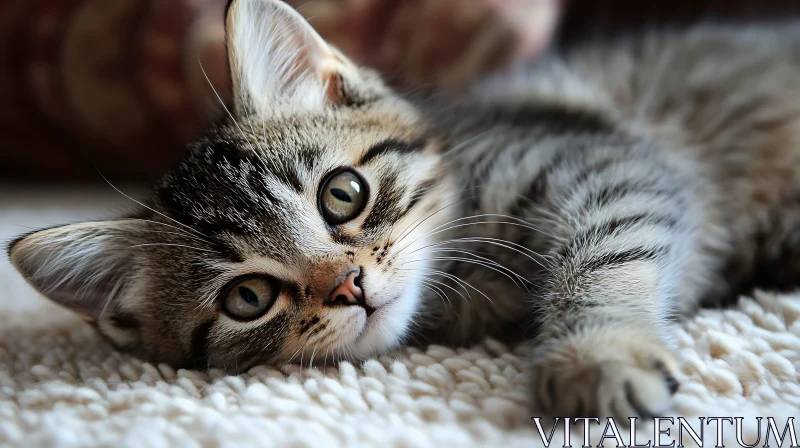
x=62, y=385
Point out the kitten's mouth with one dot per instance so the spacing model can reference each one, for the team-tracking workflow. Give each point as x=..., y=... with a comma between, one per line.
x=362, y=302
x=370, y=309
x=362, y=298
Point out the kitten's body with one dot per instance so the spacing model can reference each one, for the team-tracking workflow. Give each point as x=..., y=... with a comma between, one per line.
x=583, y=205
x=697, y=131
x=658, y=172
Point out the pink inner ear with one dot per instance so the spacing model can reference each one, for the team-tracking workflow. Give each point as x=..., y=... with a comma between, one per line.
x=313, y=56
x=333, y=84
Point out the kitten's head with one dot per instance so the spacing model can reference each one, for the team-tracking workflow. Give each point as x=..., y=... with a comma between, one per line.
x=297, y=230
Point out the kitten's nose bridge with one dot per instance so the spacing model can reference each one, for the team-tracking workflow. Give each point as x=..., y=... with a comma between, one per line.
x=349, y=291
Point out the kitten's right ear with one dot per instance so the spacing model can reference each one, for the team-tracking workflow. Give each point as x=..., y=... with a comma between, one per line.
x=83, y=267
x=281, y=66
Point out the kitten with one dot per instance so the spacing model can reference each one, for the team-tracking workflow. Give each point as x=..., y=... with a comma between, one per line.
x=583, y=206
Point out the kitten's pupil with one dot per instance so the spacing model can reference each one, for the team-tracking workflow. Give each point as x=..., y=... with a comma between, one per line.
x=249, y=296
x=341, y=195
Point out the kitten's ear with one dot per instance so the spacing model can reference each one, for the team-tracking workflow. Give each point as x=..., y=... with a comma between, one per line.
x=280, y=65
x=80, y=266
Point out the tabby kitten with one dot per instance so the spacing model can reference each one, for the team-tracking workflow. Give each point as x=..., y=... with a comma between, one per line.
x=582, y=206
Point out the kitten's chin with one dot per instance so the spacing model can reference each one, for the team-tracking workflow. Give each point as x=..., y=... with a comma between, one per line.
x=358, y=336
x=386, y=328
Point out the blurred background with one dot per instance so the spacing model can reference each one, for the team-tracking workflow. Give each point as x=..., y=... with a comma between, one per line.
x=118, y=87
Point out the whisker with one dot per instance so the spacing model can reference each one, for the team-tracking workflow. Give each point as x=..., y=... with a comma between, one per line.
x=488, y=260
x=488, y=264
x=468, y=260
x=493, y=241
x=454, y=277
x=311, y=361
x=244, y=136
x=475, y=239
x=518, y=222
x=441, y=274
x=466, y=142
x=404, y=234
x=449, y=287
x=436, y=290
x=183, y=235
x=175, y=245
x=152, y=210
x=179, y=230
x=296, y=352
x=521, y=223
x=218, y=97
x=466, y=225
x=409, y=229
x=407, y=232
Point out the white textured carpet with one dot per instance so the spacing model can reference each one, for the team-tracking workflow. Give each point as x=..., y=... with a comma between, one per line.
x=61, y=385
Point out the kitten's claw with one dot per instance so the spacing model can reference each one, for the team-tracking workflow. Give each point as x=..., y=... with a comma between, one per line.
x=592, y=376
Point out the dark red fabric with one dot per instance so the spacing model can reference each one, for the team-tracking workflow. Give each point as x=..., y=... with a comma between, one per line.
x=117, y=86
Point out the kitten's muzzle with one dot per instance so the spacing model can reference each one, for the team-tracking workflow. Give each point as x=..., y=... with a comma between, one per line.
x=349, y=293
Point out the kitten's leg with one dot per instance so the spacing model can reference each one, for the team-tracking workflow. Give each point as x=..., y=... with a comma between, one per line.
x=614, y=284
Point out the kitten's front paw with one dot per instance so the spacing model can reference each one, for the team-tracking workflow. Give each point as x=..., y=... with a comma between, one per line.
x=612, y=374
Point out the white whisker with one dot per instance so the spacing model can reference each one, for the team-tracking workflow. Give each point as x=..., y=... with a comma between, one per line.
x=152, y=210
x=244, y=136
x=174, y=245
x=438, y=291
x=492, y=241
x=487, y=260
x=468, y=260
x=460, y=280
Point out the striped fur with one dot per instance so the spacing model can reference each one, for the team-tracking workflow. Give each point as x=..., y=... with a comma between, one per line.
x=583, y=205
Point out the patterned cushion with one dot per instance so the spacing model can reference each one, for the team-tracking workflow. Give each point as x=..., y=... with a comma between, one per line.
x=118, y=85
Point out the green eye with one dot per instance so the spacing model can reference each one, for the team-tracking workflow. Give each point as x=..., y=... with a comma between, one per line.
x=342, y=197
x=250, y=298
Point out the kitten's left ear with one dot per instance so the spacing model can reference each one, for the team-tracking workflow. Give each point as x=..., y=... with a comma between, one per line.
x=83, y=267
x=281, y=66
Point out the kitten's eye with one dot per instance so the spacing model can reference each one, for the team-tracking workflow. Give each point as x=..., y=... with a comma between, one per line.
x=342, y=197
x=248, y=299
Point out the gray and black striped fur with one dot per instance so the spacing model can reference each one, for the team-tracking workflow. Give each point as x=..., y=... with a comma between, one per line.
x=583, y=206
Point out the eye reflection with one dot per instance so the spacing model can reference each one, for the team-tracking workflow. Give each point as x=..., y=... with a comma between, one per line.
x=342, y=197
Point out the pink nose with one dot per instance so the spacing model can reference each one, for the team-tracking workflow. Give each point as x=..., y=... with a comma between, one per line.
x=349, y=292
